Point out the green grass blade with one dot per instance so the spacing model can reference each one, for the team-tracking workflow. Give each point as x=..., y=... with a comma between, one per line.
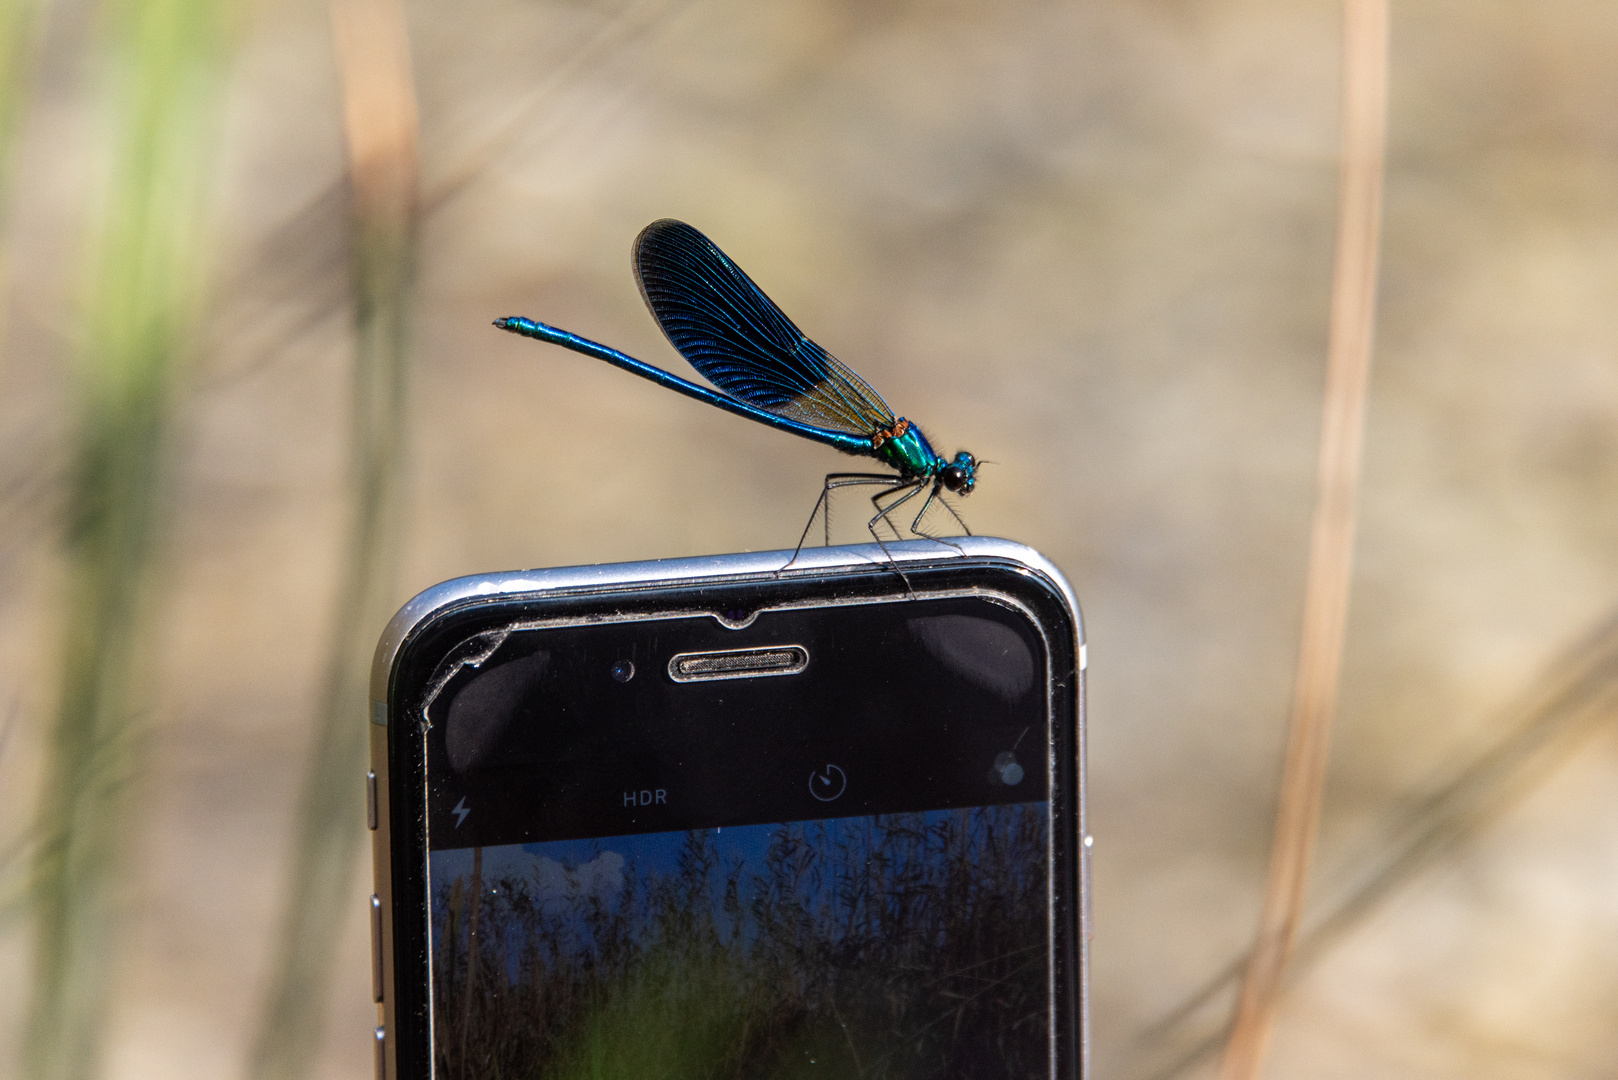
x=140, y=309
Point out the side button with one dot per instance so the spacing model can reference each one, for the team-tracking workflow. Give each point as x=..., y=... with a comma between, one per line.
x=370, y=800
x=376, y=948
x=381, y=1053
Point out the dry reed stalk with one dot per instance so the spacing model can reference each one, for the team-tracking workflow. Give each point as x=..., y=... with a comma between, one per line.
x=1571, y=699
x=379, y=118
x=1331, y=547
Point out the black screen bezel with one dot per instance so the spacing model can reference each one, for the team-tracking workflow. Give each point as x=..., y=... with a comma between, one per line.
x=420, y=656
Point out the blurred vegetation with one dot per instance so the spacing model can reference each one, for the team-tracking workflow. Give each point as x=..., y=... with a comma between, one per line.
x=139, y=316
x=19, y=26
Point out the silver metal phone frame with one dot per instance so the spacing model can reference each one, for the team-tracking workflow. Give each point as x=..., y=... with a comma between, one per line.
x=607, y=578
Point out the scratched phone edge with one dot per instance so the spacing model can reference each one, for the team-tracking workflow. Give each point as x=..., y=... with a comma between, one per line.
x=763, y=565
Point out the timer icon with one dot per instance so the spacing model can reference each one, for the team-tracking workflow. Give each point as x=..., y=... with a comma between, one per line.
x=827, y=785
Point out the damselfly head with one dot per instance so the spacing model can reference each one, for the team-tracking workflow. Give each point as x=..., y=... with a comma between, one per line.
x=960, y=475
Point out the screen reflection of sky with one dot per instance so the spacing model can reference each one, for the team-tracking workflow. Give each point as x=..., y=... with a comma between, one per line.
x=563, y=871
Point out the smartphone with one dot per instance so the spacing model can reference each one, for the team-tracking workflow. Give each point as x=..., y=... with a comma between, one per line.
x=715, y=818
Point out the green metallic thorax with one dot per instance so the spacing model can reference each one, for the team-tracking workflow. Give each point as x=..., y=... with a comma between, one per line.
x=911, y=455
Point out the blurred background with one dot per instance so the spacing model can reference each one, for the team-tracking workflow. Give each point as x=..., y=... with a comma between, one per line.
x=1089, y=241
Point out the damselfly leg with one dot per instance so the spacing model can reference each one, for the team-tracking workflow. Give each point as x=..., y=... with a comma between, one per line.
x=911, y=490
x=936, y=495
x=887, y=481
x=823, y=504
x=891, y=485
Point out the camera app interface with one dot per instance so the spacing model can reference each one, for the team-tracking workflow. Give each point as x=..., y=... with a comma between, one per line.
x=819, y=845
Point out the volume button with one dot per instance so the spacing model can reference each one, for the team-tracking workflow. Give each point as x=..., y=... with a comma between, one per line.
x=381, y=1053
x=370, y=800
x=376, y=948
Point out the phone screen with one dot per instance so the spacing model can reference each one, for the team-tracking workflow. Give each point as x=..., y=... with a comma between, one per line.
x=802, y=842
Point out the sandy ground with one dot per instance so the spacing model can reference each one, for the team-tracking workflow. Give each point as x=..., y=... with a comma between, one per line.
x=1091, y=242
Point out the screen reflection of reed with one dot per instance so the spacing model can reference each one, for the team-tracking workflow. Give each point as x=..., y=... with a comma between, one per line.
x=904, y=946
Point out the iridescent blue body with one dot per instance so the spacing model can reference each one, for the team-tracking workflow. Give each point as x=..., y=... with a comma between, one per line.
x=765, y=368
